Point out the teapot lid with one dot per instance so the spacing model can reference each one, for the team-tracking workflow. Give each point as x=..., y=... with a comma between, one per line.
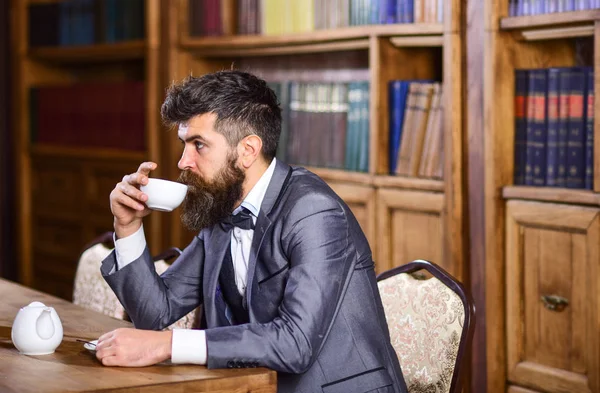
x=36, y=304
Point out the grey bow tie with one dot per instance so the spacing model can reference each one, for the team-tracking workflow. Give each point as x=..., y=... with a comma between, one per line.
x=241, y=220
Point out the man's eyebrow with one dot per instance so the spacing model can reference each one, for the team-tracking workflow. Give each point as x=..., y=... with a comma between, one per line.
x=192, y=138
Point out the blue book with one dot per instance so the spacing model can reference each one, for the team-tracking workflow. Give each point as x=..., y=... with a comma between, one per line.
x=351, y=127
x=577, y=130
x=410, y=11
x=552, y=6
x=564, y=101
x=376, y=5
x=535, y=165
x=582, y=5
x=589, y=141
x=111, y=21
x=389, y=16
x=553, y=118
x=65, y=23
x=363, y=163
x=570, y=5
x=398, y=91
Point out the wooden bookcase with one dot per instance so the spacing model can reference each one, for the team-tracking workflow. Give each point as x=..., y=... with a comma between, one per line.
x=404, y=218
x=540, y=242
x=62, y=192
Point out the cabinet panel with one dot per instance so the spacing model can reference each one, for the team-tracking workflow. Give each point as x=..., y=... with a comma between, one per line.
x=409, y=227
x=361, y=200
x=551, y=294
x=56, y=187
x=518, y=389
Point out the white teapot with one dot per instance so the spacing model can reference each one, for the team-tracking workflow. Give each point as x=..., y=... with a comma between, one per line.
x=37, y=330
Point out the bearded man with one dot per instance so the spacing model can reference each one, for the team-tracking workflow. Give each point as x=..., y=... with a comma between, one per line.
x=281, y=266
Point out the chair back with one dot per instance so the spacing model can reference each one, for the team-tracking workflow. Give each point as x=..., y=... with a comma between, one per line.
x=431, y=324
x=92, y=292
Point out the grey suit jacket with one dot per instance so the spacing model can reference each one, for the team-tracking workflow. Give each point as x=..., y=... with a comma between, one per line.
x=315, y=312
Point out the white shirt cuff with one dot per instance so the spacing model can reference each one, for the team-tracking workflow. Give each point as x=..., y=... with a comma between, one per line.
x=188, y=346
x=130, y=248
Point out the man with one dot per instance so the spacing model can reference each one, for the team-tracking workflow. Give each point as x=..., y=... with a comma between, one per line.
x=280, y=264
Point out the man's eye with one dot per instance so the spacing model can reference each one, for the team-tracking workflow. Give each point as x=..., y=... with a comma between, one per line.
x=199, y=145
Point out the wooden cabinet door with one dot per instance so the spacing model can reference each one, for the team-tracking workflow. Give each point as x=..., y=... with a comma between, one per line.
x=409, y=227
x=361, y=200
x=552, y=257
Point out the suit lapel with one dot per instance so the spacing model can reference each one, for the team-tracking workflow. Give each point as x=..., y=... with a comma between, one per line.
x=215, y=253
x=263, y=222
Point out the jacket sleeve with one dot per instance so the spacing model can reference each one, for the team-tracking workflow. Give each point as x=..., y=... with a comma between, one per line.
x=322, y=258
x=154, y=302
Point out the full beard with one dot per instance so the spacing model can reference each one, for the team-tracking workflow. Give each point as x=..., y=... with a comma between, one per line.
x=209, y=202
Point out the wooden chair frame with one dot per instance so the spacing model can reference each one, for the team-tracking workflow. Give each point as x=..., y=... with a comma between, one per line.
x=446, y=278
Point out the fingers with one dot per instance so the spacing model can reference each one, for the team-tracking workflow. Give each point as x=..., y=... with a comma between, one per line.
x=146, y=167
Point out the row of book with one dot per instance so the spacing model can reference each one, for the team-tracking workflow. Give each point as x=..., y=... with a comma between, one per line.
x=85, y=22
x=537, y=7
x=324, y=124
x=273, y=17
x=554, y=127
x=416, y=128
x=96, y=115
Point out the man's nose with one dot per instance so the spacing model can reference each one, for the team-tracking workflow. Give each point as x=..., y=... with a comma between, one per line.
x=186, y=161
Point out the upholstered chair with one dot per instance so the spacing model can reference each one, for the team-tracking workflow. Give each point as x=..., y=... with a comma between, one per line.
x=431, y=323
x=92, y=292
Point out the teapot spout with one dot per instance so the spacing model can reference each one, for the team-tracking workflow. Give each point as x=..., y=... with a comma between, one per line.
x=44, y=325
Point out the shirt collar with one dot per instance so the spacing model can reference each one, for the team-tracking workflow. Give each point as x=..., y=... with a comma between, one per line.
x=256, y=195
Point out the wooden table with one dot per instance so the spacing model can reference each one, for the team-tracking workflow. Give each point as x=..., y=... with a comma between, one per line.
x=75, y=369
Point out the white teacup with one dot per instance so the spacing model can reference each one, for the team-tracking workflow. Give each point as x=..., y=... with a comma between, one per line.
x=164, y=195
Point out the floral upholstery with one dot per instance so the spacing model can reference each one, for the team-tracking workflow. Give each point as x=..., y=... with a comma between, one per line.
x=92, y=292
x=425, y=319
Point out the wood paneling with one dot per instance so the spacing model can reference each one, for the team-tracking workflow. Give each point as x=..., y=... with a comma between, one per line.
x=552, y=251
x=474, y=41
x=361, y=200
x=409, y=227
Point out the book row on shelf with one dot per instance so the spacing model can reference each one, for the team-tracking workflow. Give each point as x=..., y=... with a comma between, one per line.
x=537, y=7
x=324, y=124
x=85, y=22
x=416, y=129
x=96, y=115
x=554, y=127
x=271, y=17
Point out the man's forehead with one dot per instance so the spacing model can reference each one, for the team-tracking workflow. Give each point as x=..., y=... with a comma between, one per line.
x=197, y=126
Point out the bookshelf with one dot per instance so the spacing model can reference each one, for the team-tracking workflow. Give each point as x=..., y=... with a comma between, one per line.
x=403, y=217
x=63, y=188
x=541, y=242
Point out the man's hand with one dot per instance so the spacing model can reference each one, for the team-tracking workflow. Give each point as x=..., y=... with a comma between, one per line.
x=127, y=202
x=133, y=347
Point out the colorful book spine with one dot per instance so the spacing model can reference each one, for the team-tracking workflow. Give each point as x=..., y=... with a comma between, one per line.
x=398, y=91
x=577, y=134
x=563, y=125
x=589, y=141
x=535, y=166
x=553, y=118
x=521, y=88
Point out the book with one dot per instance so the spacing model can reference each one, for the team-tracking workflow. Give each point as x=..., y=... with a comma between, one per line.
x=553, y=125
x=397, y=91
x=577, y=129
x=520, y=144
x=589, y=141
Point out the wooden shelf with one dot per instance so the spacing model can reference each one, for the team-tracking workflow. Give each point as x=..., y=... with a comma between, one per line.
x=342, y=175
x=551, y=194
x=127, y=50
x=87, y=153
x=411, y=183
x=347, y=38
x=559, y=19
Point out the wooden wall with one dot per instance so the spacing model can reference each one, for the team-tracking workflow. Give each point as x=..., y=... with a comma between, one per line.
x=474, y=42
x=7, y=268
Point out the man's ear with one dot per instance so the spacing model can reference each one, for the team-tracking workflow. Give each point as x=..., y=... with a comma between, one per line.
x=249, y=150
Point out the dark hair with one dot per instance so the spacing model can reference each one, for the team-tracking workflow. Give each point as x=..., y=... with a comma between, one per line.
x=243, y=103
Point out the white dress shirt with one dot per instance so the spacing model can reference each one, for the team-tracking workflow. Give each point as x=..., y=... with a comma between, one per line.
x=189, y=346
